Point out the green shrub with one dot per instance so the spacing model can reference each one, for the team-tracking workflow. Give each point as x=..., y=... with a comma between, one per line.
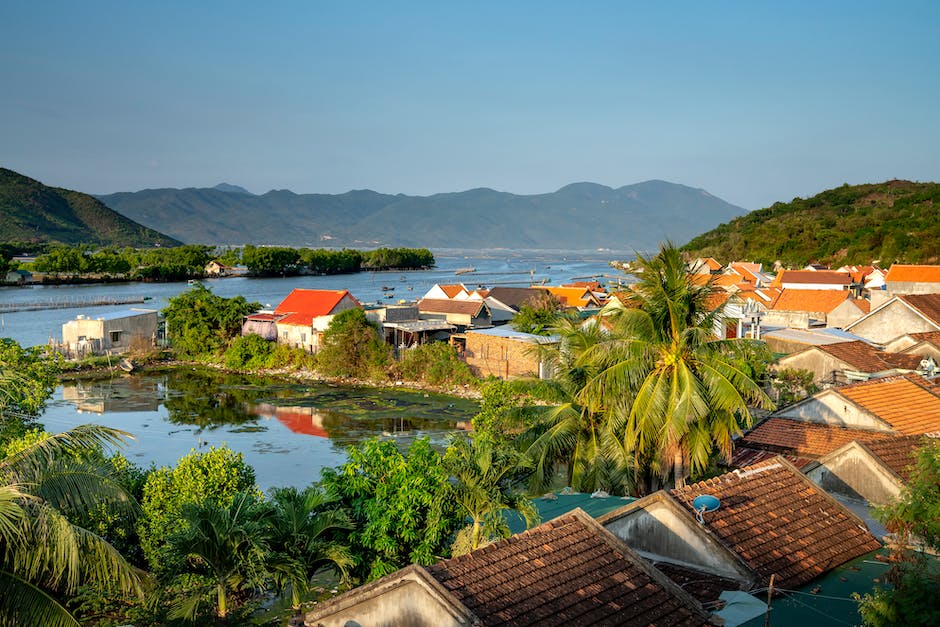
x=352, y=348
x=436, y=363
x=248, y=352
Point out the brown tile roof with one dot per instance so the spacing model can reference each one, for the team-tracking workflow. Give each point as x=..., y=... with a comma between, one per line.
x=897, y=453
x=779, y=522
x=810, y=300
x=746, y=456
x=439, y=305
x=569, y=571
x=931, y=337
x=927, y=304
x=908, y=404
x=515, y=297
x=913, y=274
x=804, y=277
x=864, y=357
x=705, y=587
x=803, y=439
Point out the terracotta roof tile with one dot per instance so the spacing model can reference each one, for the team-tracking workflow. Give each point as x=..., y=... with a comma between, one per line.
x=902, y=273
x=926, y=304
x=705, y=587
x=803, y=439
x=568, y=571
x=452, y=290
x=908, y=404
x=515, y=297
x=897, y=453
x=806, y=277
x=312, y=303
x=439, y=305
x=810, y=300
x=780, y=523
x=571, y=296
x=931, y=337
x=746, y=456
x=864, y=357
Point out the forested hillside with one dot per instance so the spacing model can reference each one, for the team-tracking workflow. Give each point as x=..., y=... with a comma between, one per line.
x=895, y=221
x=33, y=212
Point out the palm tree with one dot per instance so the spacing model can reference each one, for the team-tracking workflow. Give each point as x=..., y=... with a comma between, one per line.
x=44, y=557
x=485, y=478
x=572, y=432
x=304, y=531
x=228, y=544
x=676, y=392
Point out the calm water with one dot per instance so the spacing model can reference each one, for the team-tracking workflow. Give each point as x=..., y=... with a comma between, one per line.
x=30, y=328
x=287, y=431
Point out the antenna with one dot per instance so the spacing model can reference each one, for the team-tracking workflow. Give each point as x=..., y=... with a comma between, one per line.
x=705, y=503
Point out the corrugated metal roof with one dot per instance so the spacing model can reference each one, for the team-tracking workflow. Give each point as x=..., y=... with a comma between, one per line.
x=510, y=333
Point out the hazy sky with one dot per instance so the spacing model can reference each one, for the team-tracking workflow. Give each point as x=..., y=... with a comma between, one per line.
x=753, y=101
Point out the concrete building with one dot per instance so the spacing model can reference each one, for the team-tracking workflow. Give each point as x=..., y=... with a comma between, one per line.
x=900, y=315
x=506, y=353
x=114, y=331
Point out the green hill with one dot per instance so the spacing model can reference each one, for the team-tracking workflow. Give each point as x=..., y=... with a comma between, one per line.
x=35, y=213
x=895, y=221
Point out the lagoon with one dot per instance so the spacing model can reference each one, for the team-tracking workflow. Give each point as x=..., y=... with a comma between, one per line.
x=287, y=430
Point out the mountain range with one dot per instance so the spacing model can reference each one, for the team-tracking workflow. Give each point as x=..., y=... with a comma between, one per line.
x=577, y=216
x=31, y=212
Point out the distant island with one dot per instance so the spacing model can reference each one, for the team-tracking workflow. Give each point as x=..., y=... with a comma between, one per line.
x=580, y=216
x=31, y=212
x=894, y=221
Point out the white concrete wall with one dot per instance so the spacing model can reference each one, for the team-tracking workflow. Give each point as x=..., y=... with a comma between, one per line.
x=891, y=322
x=829, y=408
x=853, y=473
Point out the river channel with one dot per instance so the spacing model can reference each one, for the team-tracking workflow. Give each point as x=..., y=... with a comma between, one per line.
x=286, y=430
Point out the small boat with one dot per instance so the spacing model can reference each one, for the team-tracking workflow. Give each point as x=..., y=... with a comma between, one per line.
x=465, y=270
x=386, y=288
x=127, y=365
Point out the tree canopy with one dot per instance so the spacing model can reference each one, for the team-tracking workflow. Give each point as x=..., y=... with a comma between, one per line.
x=198, y=321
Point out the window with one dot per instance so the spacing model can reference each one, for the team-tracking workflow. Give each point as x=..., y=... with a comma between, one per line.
x=283, y=335
x=303, y=338
x=115, y=337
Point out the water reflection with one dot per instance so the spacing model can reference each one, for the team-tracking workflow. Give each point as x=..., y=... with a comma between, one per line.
x=287, y=430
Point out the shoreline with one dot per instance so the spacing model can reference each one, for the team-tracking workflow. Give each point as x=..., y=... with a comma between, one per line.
x=302, y=376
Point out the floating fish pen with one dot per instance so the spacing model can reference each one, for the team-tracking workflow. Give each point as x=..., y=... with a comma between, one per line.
x=70, y=303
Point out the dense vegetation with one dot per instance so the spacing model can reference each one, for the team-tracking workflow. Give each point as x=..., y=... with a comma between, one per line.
x=887, y=222
x=84, y=261
x=33, y=212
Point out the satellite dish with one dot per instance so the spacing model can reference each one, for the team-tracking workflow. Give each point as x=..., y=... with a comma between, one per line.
x=705, y=503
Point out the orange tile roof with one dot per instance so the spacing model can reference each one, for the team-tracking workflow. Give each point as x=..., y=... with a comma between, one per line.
x=452, y=290
x=716, y=300
x=780, y=523
x=908, y=403
x=571, y=296
x=305, y=305
x=809, y=300
x=931, y=337
x=913, y=274
x=803, y=439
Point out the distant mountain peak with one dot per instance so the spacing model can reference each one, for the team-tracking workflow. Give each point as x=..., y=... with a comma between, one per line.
x=232, y=189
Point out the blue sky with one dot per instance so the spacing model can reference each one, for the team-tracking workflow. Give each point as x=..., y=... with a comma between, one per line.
x=753, y=101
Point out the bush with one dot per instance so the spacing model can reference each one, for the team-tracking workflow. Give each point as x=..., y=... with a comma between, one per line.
x=248, y=352
x=352, y=348
x=436, y=363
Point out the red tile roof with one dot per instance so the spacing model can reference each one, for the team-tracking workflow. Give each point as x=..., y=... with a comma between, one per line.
x=807, y=440
x=780, y=523
x=305, y=305
x=569, y=571
x=810, y=300
x=901, y=273
x=908, y=404
x=452, y=290
x=746, y=456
